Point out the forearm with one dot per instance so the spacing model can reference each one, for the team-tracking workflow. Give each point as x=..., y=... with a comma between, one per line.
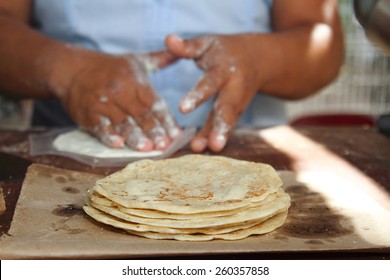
x=296, y=63
x=306, y=50
x=28, y=60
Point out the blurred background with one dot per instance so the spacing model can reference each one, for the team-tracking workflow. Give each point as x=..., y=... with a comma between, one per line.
x=362, y=88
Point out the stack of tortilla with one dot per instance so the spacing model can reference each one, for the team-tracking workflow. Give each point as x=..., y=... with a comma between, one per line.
x=191, y=198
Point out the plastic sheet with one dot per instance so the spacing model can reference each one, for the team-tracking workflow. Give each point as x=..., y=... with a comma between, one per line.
x=42, y=144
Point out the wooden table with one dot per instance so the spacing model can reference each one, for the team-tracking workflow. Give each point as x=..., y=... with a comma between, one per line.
x=360, y=153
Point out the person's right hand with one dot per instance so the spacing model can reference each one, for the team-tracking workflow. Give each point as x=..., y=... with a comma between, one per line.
x=111, y=97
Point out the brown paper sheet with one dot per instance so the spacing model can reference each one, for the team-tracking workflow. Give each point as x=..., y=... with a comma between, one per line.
x=2, y=202
x=326, y=214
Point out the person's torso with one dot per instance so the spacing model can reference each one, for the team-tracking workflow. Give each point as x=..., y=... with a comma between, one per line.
x=122, y=26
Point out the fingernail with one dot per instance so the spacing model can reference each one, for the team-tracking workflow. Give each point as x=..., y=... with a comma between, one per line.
x=160, y=143
x=177, y=38
x=103, y=99
x=221, y=139
x=144, y=145
x=199, y=145
x=174, y=132
x=187, y=105
x=113, y=141
x=141, y=145
x=202, y=142
x=232, y=69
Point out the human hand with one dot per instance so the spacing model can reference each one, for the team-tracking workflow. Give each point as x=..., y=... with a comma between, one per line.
x=229, y=74
x=111, y=97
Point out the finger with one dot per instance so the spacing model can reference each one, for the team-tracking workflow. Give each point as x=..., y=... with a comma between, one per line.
x=161, y=58
x=208, y=86
x=199, y=142
x=154, y=130
x=154, y=61
x=227, y=110
x=98, y=121
x=102, y=127
x=134, y=136
x=165, y=117
x=193, y=48
x=222, y=125
x=213, y=135
x=148, y=120
x=140, y=108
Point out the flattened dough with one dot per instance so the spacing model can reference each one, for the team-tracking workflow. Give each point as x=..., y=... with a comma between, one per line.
x=82, y=143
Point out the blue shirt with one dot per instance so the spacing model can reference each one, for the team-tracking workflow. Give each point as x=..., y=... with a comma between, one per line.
x=139, y=26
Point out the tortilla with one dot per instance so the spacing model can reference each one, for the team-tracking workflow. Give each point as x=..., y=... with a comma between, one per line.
x=273, y=204
x=99, y=199
x=262, y=228
x=192, y=198
x=114, y=221
x=190, y=184
x=147, y=213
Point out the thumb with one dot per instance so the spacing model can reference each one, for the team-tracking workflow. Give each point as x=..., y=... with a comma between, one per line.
x=193, y=48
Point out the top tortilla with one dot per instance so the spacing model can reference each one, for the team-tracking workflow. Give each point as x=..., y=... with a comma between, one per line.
x=190, y=184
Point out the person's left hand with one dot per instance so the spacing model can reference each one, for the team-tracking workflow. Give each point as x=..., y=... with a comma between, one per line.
x=229, y=74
